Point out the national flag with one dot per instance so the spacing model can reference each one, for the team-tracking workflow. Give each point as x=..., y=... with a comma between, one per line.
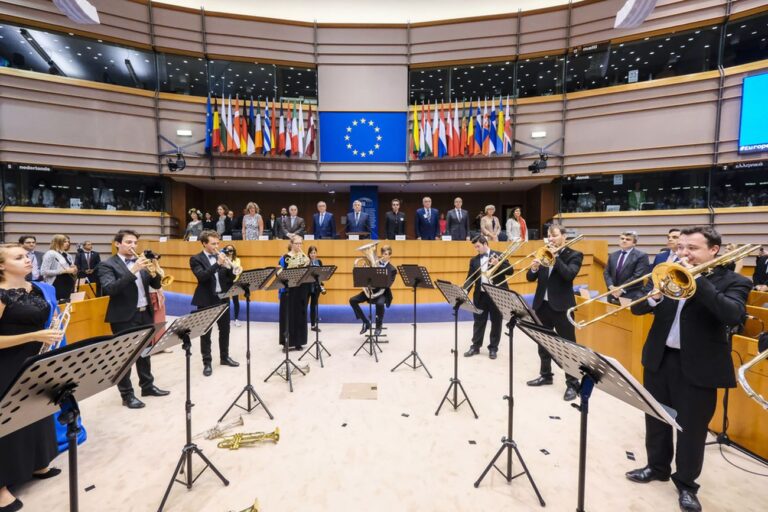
x=301, y=130
x=436, y=133
x=236, y=126
x=500, y=130
x=281, y=132
x=415, y=133
x=471, y=129
x=493, y=142
x=294, y=132
x=429, y=140
x=208, y=125
x=486, y=132
x=442, y=143
x=251, y=144
x=448, y=123
x=258, y=137
x=478, y=130
x=230, y=133
x=244, y=130
x=267, y=138
x=507, y=130
x=464, y=137
x=309, y=149
x=216, y=142
x=274, y=128
x=457, y=148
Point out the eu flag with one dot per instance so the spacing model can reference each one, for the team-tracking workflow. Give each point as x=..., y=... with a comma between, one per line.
x=363, y=137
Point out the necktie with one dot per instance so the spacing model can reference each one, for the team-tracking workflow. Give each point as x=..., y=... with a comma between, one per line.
x=458, y=213
x=293, y=221
x=429, y=213
x=357, y=218
x=322, y=216
x=620, y=264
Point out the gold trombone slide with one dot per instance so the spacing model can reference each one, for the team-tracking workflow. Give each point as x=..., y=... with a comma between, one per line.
x=546, y=255
x=494, y=271
x=754, y=395
x=672, y=280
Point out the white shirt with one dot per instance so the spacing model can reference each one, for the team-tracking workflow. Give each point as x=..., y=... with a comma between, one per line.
x=673, y=338
x=212, y=258
x=484, y=266
x=142, y=302
x=35, y=267
x=322, y=216
x=546, y=293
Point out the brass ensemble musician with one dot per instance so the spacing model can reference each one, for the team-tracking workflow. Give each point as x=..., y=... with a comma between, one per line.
x=315, y=290
x=293, y=303
x=378, y=297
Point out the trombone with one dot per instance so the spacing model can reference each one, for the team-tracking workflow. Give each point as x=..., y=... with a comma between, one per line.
x=546, y=255
x=672, y=280
x=754, y=395
x=495, y=270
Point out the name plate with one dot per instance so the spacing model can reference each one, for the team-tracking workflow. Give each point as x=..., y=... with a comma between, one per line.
x=446, y=238
x=399, y=237
x=192, y=239
x=163, y=238
x=354, y=237
x=309, y=237
x=227, y=238
x=263, y=237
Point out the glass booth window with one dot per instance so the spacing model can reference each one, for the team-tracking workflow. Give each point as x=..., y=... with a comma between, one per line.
x=428, y=85
x=482, y=80
x=244, y=79
x=540, y=77
x=740, y=187
x=746, y=40
x=294, y=83
x=182, y=74
x=39, y=186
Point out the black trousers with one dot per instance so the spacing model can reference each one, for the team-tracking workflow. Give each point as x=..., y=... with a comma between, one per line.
x=379, y=302
x=558, y=321
x=484, y=302
x=314, y=301
x=143, y=364
x=235, y=308
x=695, y=407
x=205, y=339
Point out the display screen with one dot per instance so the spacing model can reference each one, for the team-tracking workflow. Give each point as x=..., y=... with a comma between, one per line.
x=753, y=130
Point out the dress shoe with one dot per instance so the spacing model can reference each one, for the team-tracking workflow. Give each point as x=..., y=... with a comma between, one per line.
x=316, y=328
x=13, y=506
x=377, y=331
x=132, y=402
x=492, y=354
x=237, y=323
x=154, y=391
x=645, y=475
x=366, y=326
x=207, y=370
x=540, y=381
x=472, y=351
x=52, y=472
x=570, y=394
x=228, y=361
x=689, y=502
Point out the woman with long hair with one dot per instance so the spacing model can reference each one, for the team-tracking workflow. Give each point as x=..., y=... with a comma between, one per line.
x=58, y=269
x=516, y=226
x=208, y=222
x=315, y=289
x=293, y=303
x=194, y=226
x=224, y=223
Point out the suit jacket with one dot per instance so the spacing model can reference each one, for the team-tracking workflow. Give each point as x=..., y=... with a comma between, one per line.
x=363, y=225
x=705, y=347
x=427, y=229
x=394, y=224
x=275, y=227
x=119, y=284
x=39, y=258
x=299, y=227
x=327, y=229
x=760, y=275
x=458, y=229
x=227, y=226
x=635, y=265
x=504, y=270
x=205, y=292
x=660, y=258
x=83, y=265
x=557, y=281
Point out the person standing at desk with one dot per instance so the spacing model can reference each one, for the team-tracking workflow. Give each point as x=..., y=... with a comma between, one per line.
x=395, y=221
x=323, y=223
x=427, y=220
x=358, y=221
x=457, y=221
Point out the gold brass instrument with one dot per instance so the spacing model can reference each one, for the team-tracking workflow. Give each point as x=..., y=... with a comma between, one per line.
x=252, y=508
x=757, y=397
x=154, y=267
x=236, y=267
x=297, y=261
x=545, y=254
x=493, y=271
x=61, y=322
x=294, y=370
x=672, y=280
x=219, y=430
x=369, y=259
x=235, y=441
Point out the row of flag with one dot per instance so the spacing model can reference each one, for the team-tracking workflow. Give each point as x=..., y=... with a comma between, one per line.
x=248, y=132
x=448, y=134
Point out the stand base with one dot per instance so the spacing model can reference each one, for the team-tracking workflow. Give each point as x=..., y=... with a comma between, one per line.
x=254, y=400
x=455, y=385
x=723, y=440
x=186, y=459
x=318, y=355
x=287, y=377
x=509, y=446
x=370, y=345
x=413, y=365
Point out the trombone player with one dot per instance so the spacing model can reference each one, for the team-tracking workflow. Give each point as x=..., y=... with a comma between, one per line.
x=554, y=295
x=379, y=297
x=686, y=357
x=492, y=269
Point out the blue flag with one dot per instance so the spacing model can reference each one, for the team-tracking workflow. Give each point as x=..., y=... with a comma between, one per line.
x=360, y=137
x=208, y=125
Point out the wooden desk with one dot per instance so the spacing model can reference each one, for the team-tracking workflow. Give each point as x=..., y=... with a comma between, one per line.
x=87, y=320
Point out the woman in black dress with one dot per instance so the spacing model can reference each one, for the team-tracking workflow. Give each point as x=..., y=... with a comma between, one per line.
x=314, y=289
x=25, y=309
x=293, y=304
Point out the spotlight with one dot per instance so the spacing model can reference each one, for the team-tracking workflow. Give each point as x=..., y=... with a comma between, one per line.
x=176, y=165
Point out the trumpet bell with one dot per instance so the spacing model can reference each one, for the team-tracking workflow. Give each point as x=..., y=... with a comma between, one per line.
x=166, y=281
x=673, y=281
x=545, y=256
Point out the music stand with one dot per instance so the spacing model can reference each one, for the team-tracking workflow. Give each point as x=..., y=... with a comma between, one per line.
x=319, y=275
x=288, y=278
x=56, y=380
x=182, y=330
x=415, y=277
x=370, y=277
x=458, y=299
x=249, y=279
x=512, y=307
x=597, y=370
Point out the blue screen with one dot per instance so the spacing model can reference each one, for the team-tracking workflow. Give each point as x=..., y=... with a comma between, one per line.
x=753, y=131
x=363, y=137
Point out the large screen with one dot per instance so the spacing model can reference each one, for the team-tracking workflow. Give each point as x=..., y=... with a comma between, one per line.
x=753, y=131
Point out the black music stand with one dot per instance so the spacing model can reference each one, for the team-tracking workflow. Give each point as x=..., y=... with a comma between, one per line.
x=319, y=275
x=56, y=380
x=288, y=278
x=182, y=330
x=458, y=299
x=415, y=277
x=370, y=277
x=597, y=370
x=249, y=280
x=512, y=307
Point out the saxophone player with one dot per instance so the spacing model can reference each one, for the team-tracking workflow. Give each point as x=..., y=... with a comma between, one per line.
x=293, y=302
x=379, y=297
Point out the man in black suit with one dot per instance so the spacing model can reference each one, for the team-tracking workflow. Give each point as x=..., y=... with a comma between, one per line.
x=86, y=261
x=126, y=280
x=427, y=221
x=293, y=224
x=358, y=221
x=214, y=275
x=277, y=231
x=395, y=221
x=760, y=276
x=324, y=225
x=379, y=297
x=625, y=265
x=478, y=265
x=457, y=221
x=554, y=296
x=29, y=242
x=686, y=357
x=670, y=252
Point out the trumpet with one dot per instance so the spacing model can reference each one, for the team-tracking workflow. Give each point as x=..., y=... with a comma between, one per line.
x=494, y=271
x=672, y=280
x=61, y=322
x=304, y=369
x=219, y=430
x=757, y=397
x=235, y=441
x=236, y=267
x=154, y=267
x=546, y=255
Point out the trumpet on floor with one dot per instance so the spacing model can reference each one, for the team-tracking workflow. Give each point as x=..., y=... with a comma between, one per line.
x=220, y=428
x=673, y=280
x=281, y=371
x=235, y=441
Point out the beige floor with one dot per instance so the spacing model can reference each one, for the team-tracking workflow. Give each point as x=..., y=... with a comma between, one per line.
x=381, y=460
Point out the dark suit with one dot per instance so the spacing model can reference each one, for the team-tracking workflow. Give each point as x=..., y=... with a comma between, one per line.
x=557, y=283
x=385, y=299
x=87, y=261
x=457, y=228
x=635, y=265
x=483, y=301
x=687, y=378
x=38, y=256
x=394, y=224
x=325, y=230
x=760, y=276
x=205, y=295
x=276, y=227
x=298, y=227
x=362, y=225
x=427, y=229
x=119, y=283
x=660, y=258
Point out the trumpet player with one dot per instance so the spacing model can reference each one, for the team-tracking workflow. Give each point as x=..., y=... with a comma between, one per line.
x=554, y=295
x=125, y=279
x=485, y=260
x=685, y=359
x=381, y=298
x=213, y=271
x=315, y=290
x=293, y=301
